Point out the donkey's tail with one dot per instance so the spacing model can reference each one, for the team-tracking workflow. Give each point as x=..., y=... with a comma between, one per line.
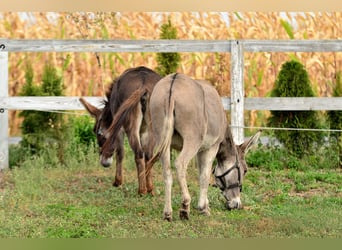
x=120, y=116
x=165, y=139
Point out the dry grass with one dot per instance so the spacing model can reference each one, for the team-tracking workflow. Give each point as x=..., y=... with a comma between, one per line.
x=84, y=76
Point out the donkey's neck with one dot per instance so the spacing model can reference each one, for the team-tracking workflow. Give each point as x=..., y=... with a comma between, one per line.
x=227, y=150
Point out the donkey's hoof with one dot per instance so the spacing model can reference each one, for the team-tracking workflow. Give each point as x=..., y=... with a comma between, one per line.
x=184, y=214
x=150, y=189
x=151, y=192
x=205, y=212
x=142, y=191
x=168, y=217
x=117, y=183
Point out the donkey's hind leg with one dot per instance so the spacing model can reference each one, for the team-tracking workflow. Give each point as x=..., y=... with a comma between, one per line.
x=167, y=174
x=133, y=135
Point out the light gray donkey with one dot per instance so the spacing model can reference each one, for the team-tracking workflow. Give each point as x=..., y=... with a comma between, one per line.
x=188, y=115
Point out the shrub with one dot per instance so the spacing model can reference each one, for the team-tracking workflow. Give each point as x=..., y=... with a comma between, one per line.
x=266, y=157
x=335, y=117
x=167, y=62
x=293, y=81
x=78, y=146
x=81, y=130
x=41, y=128
x=47, y=135
x=277, y=158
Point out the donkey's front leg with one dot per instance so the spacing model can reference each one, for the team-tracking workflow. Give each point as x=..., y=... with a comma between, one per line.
x=140, y=164
x=147, y=145
x=205, y=160
x=119, y=155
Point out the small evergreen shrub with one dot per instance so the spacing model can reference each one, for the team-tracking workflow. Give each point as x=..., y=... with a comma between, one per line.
x=40, y=129
x=168, y=62
x=293, y=81
x=48, y=136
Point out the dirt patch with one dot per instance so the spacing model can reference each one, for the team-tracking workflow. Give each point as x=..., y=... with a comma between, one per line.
x=5, y=182
x=322, y=192
x=259, y=227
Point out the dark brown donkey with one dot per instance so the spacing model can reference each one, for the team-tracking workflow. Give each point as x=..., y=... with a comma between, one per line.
x=125, y=111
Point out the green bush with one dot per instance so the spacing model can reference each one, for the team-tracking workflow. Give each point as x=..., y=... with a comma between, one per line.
x=48, y=135
x=81, y=130
x=168, y=62
x=79, y=146
x=266, y=158
x=335, y=118
x=40, y=129
x=278, y=158
x=293, y=81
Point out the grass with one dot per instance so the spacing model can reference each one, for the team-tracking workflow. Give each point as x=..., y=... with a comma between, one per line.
x=77, y=200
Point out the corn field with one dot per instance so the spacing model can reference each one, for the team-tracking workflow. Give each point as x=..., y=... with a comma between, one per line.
x=89, y=73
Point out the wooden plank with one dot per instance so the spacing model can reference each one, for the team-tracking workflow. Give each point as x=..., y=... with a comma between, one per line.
x=47, y=103
x=164, y=45
x=4, y=159
x=288, y=103
x=292, y=45
x=293, y=103
x=237, y=92
x=49, y=45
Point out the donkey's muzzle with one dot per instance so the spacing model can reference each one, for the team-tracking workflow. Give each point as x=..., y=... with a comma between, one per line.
x=106, y=162
x=234, y=204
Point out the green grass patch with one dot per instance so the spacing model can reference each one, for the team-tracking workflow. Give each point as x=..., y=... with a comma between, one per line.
x=42, y=198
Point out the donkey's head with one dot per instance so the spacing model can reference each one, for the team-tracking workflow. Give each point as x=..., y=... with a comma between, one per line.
x=103, y=120
x=232, y=167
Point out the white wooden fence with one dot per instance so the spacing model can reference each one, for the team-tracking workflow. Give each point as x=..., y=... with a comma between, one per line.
x=237, y=103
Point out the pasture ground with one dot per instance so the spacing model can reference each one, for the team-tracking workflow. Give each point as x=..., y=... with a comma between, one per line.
x=77, y=200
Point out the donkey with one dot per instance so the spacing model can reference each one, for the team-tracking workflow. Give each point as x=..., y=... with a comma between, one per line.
x=188, y=115
x=133, y=84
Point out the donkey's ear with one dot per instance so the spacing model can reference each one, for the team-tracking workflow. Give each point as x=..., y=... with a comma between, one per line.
x=250, y=142
x=93, y=111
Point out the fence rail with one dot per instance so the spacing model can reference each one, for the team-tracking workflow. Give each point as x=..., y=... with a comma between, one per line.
x=55, y=103
x=48, y=45
x=236, y=103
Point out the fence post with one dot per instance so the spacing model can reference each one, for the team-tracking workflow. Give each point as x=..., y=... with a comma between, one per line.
x=4, y=159
x=237, y=91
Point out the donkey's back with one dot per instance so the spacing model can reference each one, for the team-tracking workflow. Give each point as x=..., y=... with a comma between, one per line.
x=198, y=117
